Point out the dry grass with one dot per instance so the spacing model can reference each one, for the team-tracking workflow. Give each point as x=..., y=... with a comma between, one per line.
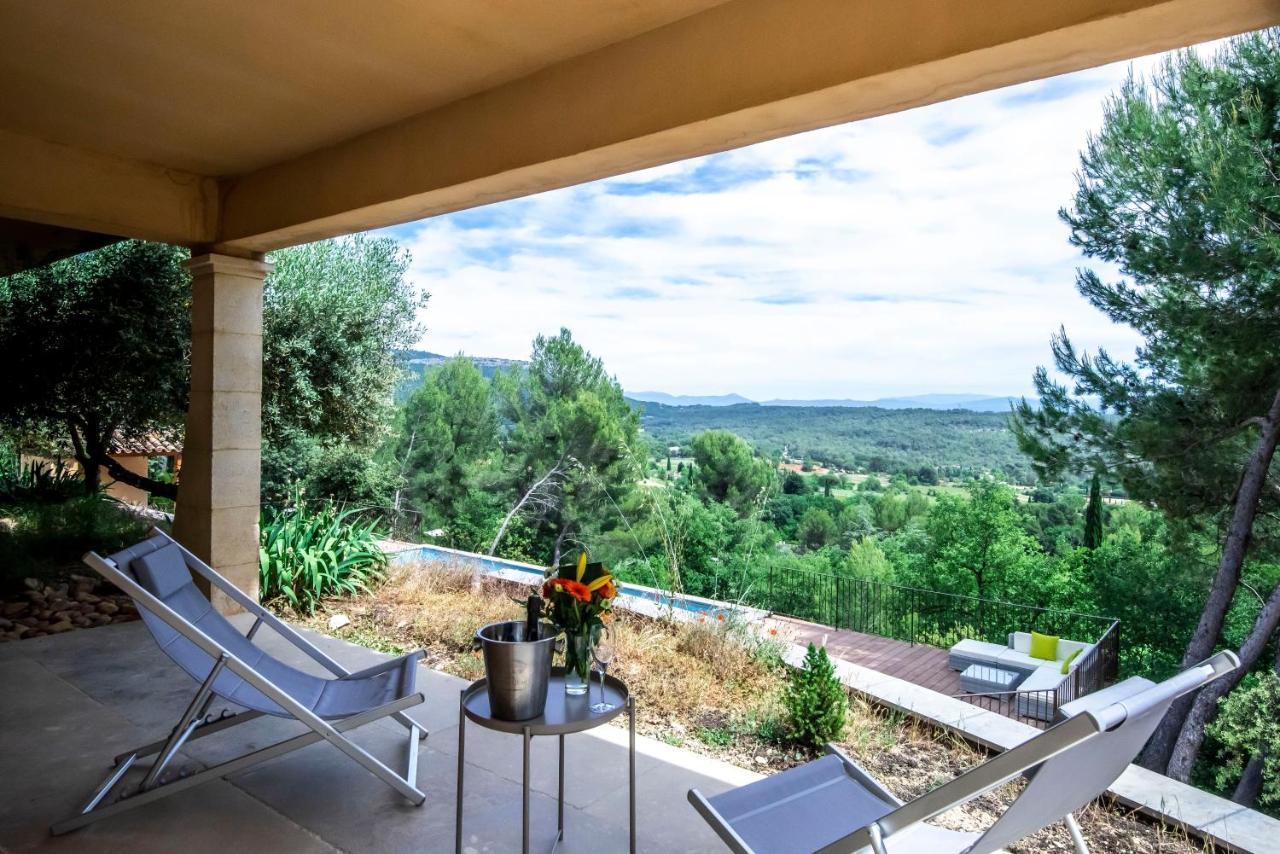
x=715, y=689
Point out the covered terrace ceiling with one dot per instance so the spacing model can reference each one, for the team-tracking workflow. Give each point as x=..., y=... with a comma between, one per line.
x=245, y=126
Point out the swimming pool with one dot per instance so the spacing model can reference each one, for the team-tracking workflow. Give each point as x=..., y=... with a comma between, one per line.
x=501, y=567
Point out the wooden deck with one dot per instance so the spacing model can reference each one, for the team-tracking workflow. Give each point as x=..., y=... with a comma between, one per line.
x=918, y=664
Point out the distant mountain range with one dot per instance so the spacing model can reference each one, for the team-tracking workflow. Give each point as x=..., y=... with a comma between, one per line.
x=968, y=402
x=688, y=399
x=420, y=360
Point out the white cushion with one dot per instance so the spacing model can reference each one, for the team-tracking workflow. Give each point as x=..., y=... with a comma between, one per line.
x=1044, y=678
x=1066, y=647
x=1021, y=642
x=977, y=649
x=1020, y=660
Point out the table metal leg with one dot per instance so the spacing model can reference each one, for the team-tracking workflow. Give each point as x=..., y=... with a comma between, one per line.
x=462, y=759
x=525, y=822
x=631, y=772
x=560, y=795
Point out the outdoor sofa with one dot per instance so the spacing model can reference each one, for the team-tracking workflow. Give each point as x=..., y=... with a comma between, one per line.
x=1039, y=677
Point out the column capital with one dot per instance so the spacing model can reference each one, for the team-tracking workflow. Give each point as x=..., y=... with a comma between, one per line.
x=214, y=262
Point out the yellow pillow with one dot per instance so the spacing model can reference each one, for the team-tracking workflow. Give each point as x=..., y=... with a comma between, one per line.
x=1044, y=647
x=1066, y=665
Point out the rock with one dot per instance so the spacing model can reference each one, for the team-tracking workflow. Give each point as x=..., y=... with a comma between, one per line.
x=13, y=609
x=81, y=622
x=5, y=625
x=59, y=627
x=337, y=621
x=108, y=607
x=31, y=622
x=88, y=598
x=760, y=760
x=20, y=631
x=32, y=583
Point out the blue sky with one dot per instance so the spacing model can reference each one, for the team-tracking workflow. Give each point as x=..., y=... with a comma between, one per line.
x=917, y=252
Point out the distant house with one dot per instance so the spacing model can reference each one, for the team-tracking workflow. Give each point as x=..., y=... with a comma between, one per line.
x=798, y=468
x=134, y=454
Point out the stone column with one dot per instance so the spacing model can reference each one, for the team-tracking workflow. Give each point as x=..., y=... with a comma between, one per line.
x=218, y=490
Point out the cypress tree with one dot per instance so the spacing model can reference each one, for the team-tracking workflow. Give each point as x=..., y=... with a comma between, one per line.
x=1093, y=514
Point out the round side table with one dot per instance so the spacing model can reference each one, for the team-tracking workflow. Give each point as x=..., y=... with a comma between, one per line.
x=564, y=715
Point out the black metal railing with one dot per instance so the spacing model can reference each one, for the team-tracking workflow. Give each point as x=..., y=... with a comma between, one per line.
x=915, y=614
x=934, y=618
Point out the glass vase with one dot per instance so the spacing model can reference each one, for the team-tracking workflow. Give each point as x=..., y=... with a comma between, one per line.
x=577, y=663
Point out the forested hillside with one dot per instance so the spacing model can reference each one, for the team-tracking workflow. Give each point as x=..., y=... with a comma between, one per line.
x=956, y=443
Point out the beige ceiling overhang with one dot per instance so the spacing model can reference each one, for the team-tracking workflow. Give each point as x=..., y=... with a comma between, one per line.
x=247, y=126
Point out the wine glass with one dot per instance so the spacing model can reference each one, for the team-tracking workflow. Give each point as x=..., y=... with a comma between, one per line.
x=603, y=652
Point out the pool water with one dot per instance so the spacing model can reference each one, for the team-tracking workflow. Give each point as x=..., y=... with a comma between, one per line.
x=490, y=564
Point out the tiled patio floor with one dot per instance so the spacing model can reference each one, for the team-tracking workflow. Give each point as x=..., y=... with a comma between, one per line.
x=69, y=702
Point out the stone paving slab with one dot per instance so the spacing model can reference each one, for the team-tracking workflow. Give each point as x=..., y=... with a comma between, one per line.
x=69, y=702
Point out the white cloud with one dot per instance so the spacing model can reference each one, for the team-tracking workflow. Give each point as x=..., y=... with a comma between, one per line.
x=918, y=252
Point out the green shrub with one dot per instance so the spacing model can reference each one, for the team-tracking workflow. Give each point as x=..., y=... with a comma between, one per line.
x=40, y=483
x=1246, y=727
x=816, y=700
x=309, y=553
x=46, y=540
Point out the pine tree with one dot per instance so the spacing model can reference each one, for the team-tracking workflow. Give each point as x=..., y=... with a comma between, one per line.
x=1180, y=191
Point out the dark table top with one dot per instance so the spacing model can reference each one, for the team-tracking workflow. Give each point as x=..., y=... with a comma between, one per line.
x=564, y=714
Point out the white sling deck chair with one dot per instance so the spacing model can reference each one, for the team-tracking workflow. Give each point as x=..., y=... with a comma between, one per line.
x=832, y=805
x=157, y=574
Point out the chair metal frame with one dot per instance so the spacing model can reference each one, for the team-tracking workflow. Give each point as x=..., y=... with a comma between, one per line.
x=195, y=722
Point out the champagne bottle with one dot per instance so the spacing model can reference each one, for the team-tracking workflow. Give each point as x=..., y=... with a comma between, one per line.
x=533, y=611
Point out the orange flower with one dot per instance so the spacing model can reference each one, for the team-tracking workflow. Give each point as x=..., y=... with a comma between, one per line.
x=608, y=591
x=720, y=617
x=576, y=589
x=773, y=632
x=702, y=619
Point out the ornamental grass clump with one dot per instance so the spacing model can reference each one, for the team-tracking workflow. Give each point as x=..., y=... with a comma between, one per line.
x=816, y=701
x=305, y=555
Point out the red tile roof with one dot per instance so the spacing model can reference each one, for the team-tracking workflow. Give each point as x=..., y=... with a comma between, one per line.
x=157, y=443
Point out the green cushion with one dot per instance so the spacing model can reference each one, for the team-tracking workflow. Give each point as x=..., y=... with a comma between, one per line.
x=1044, y=647
x=1066, y=665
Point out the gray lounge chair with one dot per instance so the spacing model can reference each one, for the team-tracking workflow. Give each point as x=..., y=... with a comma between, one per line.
x=157, y=574
x=832, y=805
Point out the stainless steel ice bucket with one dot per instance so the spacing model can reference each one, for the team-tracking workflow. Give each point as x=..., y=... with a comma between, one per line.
x=517, y=668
